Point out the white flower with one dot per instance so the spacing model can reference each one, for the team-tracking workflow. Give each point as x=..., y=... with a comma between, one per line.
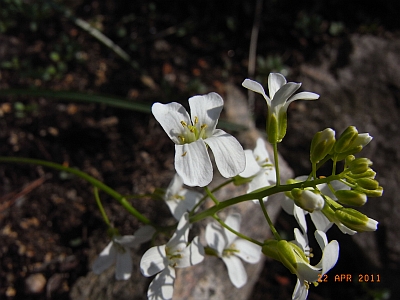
x=165, y=258
x=118, y=252
x=193, y=134
x=230, y=248
x=307, y=273
x=260, y=167
x=180, y=200
x=280, y=96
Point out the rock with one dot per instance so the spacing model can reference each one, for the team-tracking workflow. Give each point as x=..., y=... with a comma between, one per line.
x=35, y=283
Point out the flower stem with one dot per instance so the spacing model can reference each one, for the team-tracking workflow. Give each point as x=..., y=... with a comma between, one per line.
x=271, y=225
x=261, y=193
x=101, y=208
x=210, y=194
x=276, y=160
x=245, y=237
x=122, y=200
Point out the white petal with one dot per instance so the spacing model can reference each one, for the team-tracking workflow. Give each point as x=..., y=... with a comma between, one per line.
x=252, y=167
x=261, y=152
x=263, y=179
x=307, y=272
x=191, y=255
x=105, y=259
x=170, y=116
x=123, y=266
x=301, y=239
x=300, y=291
x=153, y=261
x=248, y=251
x=345, y=229
x=284, y=93
x=320, y=221
x=193, y=163
x=288, y=205
x=142, y=235
x=207, y=109
x=303, y=96
x=215, y=237
x=275, y=82
x=256, y=87
x=177, y=208
x=233, y=221
x=300, y=217
x=162, y=286
x=236, y=271
x=330, y=256
x=179, y=239
x=174, y=187
x=322, y=241
x=228, y=153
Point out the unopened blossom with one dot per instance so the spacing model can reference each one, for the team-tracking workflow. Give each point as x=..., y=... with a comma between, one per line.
x=260, y=167
x=193, y=135
x=165, y=258
x=179, y=199
x=230, y=248
x=118, y=252
x=281, y=94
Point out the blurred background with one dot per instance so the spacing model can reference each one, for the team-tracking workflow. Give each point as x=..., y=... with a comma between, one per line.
x=54, y=55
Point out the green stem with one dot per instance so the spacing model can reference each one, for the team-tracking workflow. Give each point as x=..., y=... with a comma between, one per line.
x=271, y=225
x=101, y=208
x=276, y=160
x=262, y=193
x=84, y=176
x=245, y=237
x=210, y=194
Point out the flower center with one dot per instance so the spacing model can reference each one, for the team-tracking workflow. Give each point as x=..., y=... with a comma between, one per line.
x=192, y=133
x=231, y=250
x=173, y=257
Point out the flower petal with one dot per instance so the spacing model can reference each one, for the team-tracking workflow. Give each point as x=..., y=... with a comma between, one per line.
x=233, y=221
x=236, y=271
x=179, y=239
x=193, y=163
x=162, y=286
x=256, y=87
x=320, y=221
x=207, y=109
x=263, y=179
x=191, y=255
x=170, y=116
x=275, y=82
x=123, y=266
x=105, y=259
x=300, y=217
x=215, y=237
x=228, y=153
x=283, y=94
x=307, y=272
x=252, y=167
x=322, y=241
x=153, y=261
x=261, y=152
x=248, y=251
x=301, y=239
x=330, y=256
x=300, y=291
x=173, y=188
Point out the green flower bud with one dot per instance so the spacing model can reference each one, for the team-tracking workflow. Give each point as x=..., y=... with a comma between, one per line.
x=351, y=197
x=329, y=209
x=368, y=183
x=307, y=200
x=238, y=180
x=359, y=165
x=355, y=220
x=346, y=139
x=322, y=144
x=367, y=174
x=371, y=193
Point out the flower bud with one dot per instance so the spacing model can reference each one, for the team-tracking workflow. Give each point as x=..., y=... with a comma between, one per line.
x=368, y=183
x=367, y=174
x=351, y=197
x=371, y=193
x=345, y=139
x=322, y=144
x=355, y=220
x=359, y=165
x=307, y=200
